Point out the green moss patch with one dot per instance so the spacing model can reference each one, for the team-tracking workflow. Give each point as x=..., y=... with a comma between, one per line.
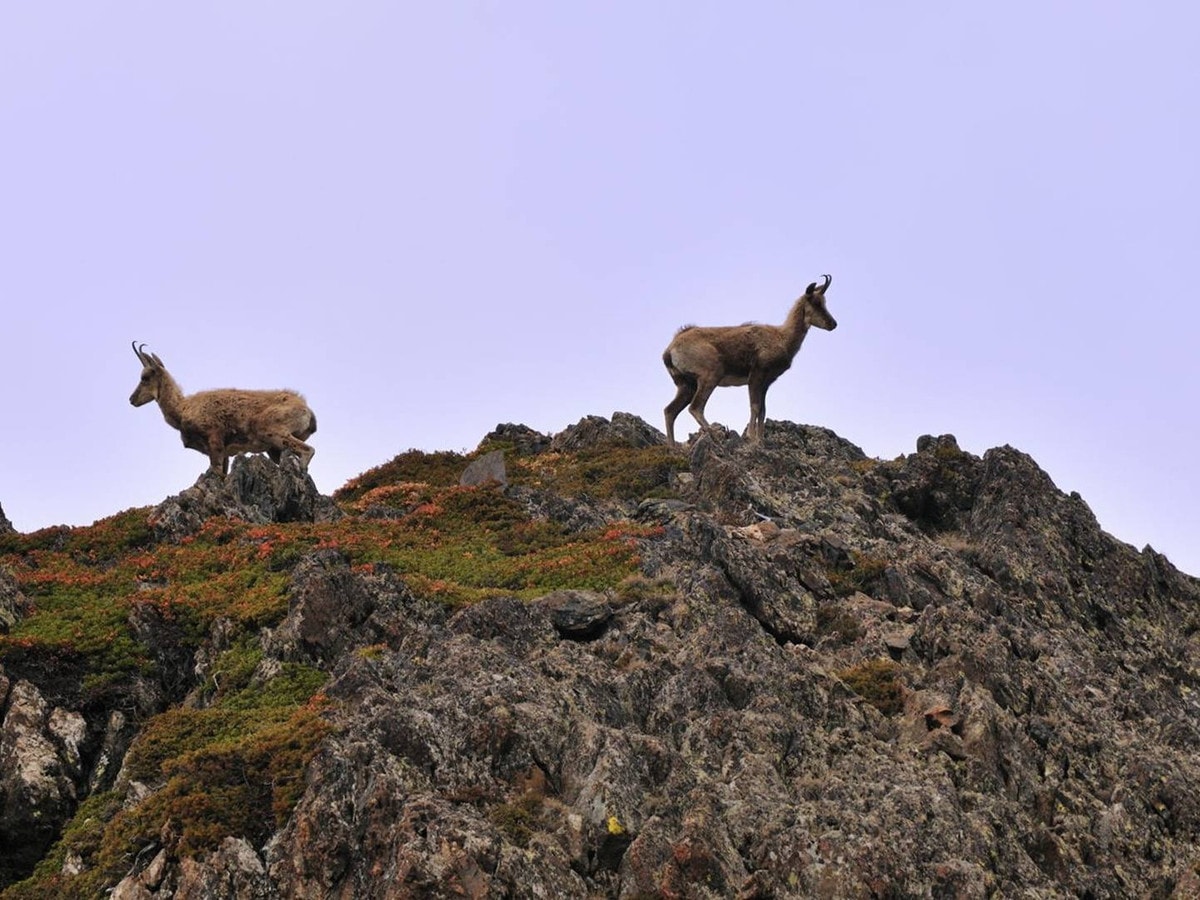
x=863, y=574
x=607, y=473
x=877, y=681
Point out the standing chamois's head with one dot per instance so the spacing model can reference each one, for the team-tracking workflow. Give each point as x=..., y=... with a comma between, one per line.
x=151, y=380
x=815, y=313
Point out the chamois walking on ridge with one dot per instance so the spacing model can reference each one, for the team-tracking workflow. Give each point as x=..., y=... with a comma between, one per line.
x=703, y=359
x=227, y=422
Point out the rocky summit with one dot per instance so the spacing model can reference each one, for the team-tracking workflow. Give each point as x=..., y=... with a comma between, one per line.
x=606, y=669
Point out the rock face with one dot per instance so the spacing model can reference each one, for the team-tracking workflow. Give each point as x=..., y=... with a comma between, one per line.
x=6, y=527
x=40, y=772
x=13, y=603
x=836, y=677
x=255, y=490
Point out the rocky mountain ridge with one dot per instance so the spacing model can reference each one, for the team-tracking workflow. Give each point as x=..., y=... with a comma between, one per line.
x=785, y=670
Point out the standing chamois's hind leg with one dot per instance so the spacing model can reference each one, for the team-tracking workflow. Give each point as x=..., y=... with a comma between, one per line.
x=687, y=389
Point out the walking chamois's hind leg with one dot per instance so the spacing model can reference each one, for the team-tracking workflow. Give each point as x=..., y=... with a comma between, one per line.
x=704, y=389
x=686, y=390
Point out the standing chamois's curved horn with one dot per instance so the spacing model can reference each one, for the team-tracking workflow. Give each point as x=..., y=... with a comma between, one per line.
x=137, y=351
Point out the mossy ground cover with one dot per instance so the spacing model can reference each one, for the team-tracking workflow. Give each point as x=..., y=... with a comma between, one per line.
x=618, y=473
x=235, y=766
x=455, y=545
x=603, y=473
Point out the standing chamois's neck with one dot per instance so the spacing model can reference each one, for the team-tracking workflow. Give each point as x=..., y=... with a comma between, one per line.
x=795, y=327
x=170, y=401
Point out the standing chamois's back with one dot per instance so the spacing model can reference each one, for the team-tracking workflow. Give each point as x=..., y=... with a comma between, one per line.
x=223, y=423
x=700, y=360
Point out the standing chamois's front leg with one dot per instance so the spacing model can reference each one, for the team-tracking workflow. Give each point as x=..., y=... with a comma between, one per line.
x=218, y=453
x=757, y=429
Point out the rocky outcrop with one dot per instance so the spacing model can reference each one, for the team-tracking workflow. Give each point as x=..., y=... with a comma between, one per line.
x=623, y=430
x=255, y=490
x=13, y=604
x=41, y=767
x=6, y=527
x=934, y=676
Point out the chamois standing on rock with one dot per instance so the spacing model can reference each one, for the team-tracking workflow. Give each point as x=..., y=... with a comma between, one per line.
x=226, y=422
x=703, y=359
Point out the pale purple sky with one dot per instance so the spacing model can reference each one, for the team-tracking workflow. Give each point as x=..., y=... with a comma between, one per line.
x=432, y=218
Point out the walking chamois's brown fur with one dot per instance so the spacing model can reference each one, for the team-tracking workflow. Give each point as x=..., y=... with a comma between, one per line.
x=703, y=359
x=224, y=423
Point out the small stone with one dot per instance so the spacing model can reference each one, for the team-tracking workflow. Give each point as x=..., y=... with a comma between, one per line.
x=577, y=615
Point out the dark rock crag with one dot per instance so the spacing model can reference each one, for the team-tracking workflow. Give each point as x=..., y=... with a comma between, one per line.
x=934, y=676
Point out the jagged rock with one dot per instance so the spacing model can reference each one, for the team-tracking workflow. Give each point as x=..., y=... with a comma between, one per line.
x=332, y=609
x=280, y=493
x=13, y=604
x=255, y=490
x=937, y=487
x=660, y=510
x=6, y=527
x=523, y=440
x=234, y=871
x=40, y=762
x=624, y=430
x=489, y=467
x=119, y=732
x=938, y=677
